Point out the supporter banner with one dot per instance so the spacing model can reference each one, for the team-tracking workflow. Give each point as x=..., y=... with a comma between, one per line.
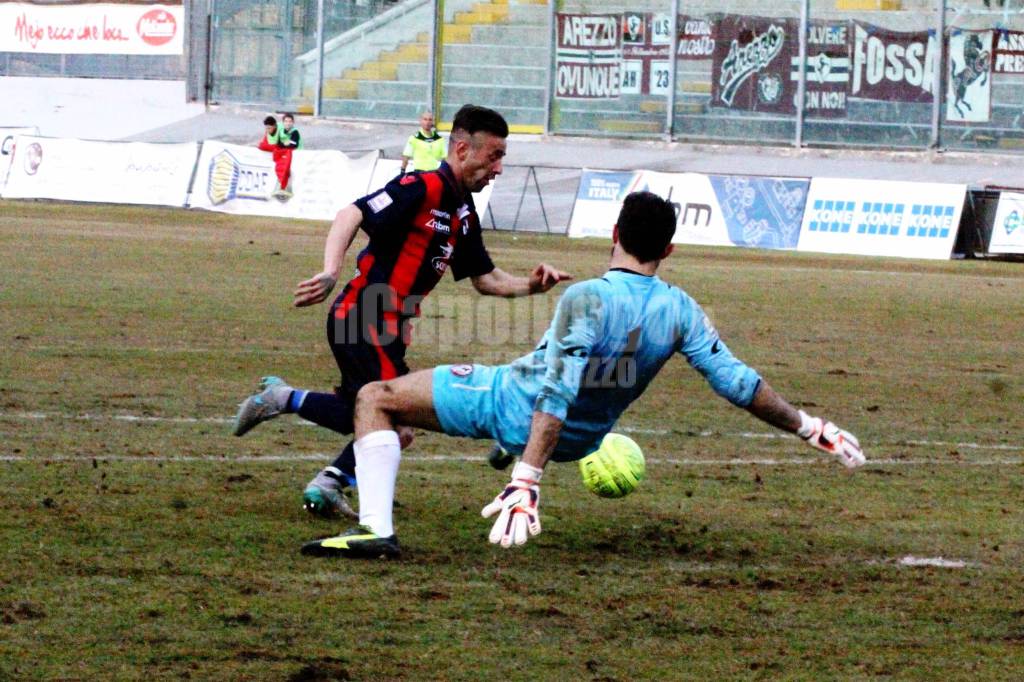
x=827, y=68
x=235, y=179
x=92, y=28
x=588, y=56
x=1008, y=51
x=107, y=172
x=969, y=83
x=7, y=136
x=715, y=210
x=1008, y=230
x=751, y=62
x=893, y=66
x=387, y=169
x=879, y=218
x=646, y=51
x=696, y=38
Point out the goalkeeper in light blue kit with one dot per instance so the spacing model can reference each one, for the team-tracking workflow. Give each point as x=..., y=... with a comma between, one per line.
x=609, y=338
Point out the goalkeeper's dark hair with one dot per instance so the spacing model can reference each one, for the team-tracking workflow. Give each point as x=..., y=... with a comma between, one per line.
x=646, y=225
x=472, y=119
x=270, y=121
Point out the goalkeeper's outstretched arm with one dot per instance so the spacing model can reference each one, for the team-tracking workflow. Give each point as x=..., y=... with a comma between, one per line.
x=770, y=407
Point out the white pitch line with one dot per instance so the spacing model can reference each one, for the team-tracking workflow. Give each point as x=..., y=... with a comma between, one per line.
x=312, y=457
x=750, y=435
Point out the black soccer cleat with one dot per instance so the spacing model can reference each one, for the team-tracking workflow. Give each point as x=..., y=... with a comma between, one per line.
x=357, y=543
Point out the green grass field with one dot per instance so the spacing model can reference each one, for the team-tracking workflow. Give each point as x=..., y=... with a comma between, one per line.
x=140, y=540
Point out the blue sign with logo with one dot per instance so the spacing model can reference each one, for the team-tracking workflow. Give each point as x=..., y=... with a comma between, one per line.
x=761, y=212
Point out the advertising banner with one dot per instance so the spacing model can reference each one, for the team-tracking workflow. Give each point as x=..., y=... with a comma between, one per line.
x=385, y=170
x=1008, y=51
x=588, y=56
x=696, y=38
x=969, y=84
x=880, y=218
x=235, y=179
x=715, y=210
x=762, y=212
x=893, y=66
x=1008, y=230
x=751, y=64
x=107, y=172
x=92, y=28
x=827, y=68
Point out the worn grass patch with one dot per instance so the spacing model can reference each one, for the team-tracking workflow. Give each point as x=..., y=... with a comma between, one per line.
x=129, y=335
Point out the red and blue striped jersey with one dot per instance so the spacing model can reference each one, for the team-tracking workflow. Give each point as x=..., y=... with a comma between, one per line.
x=419, y=225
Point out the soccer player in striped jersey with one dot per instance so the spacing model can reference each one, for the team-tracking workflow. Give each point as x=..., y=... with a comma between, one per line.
x=419, y=226
x=609, y=338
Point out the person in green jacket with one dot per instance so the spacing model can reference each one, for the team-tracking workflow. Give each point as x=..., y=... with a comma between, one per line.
x=426, y=149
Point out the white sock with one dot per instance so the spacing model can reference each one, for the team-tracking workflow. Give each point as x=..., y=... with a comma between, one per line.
x=377, y=457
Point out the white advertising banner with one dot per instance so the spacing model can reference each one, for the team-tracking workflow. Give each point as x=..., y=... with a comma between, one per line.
x=100, y=28
x=712, y=210
x=881, y=218
x=235, y=179
x=387, y=170
x=106, y=172
x=601, y=194
x=1008, y=230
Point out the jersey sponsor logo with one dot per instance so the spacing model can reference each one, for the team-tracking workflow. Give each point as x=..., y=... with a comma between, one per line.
x=440, y=263
x=440, y=214
x=462, y=370
x=438, y=226
x=379, y=202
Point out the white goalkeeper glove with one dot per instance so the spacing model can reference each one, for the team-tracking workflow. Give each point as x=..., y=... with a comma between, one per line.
x=830, y=438
x=516, y=508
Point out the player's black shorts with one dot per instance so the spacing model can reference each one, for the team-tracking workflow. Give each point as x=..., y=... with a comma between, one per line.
x=365, y=351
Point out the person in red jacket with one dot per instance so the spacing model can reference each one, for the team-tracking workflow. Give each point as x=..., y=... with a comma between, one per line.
x=282, y=154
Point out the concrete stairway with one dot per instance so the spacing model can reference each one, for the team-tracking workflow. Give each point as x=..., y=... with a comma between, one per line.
x=494, y=53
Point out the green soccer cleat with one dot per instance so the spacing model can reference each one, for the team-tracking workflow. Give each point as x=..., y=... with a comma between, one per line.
x=500, y=458
x=358, y=543
x=327, y=502
x=267, y=404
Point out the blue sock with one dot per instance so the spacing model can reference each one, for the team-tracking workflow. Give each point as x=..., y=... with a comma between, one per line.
x=346, y=463
x=295, y=400
x=326, y=410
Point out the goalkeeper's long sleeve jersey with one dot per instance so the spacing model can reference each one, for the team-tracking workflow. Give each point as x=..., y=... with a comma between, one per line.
x=608, y=339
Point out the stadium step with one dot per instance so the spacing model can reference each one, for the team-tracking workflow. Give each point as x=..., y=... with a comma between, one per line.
x=494, y=53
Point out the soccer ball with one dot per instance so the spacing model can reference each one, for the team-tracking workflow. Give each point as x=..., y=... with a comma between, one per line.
x=615, y=469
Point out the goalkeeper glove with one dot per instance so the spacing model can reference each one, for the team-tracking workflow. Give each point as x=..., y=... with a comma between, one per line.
x=516, y=508
x=830, y=438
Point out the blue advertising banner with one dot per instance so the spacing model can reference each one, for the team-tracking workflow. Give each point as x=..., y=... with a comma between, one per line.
x=762, y=212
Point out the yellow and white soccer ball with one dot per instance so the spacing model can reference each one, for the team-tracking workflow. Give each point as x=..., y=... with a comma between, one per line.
x=615, y=469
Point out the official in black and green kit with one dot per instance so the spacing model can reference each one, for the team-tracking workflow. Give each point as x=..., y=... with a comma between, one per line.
x=426, y=149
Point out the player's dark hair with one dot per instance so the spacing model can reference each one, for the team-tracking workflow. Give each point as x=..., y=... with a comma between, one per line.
x=646, y=225
x=287, y=116
x=270, y=121
x=473, y=119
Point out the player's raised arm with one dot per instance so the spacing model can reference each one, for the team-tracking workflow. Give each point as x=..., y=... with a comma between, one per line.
x=343, y=231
